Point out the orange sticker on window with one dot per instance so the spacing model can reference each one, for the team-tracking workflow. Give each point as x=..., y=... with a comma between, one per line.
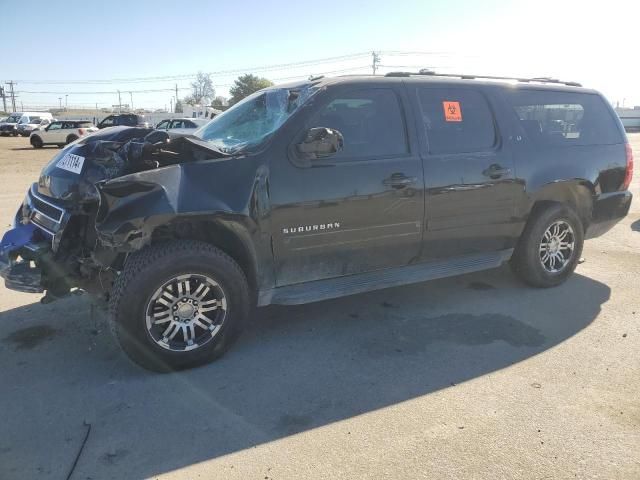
x=452, y=111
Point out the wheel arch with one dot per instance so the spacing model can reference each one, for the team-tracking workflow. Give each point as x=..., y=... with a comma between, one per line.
x=576, y=194
x=226, y=235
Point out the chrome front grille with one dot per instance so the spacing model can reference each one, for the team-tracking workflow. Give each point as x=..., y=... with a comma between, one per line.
x=44, y=214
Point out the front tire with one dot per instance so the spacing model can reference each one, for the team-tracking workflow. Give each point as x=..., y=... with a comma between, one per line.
x=36, y=142
x=178, y=305
x=550, y=247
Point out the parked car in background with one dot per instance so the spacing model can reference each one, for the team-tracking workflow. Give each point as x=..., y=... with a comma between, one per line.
x=178, y=127
x=124, y=120
x=10, y=126
x=33, y=123
x=61, y=132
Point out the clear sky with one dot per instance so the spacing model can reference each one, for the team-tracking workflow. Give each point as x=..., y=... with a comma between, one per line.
x=47, y=45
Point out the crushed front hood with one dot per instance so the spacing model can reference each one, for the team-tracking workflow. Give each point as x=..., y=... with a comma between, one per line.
x=72, y=174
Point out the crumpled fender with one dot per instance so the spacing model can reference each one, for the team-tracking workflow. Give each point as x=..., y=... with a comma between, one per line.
x=133, y=206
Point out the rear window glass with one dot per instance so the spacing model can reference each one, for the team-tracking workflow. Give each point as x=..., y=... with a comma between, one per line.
x=556, y=118
x=456, y=120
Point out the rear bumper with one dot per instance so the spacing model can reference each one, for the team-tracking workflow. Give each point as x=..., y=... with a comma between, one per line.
x=608, y=210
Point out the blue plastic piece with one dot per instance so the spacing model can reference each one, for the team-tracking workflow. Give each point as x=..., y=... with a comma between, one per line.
x=16, y=238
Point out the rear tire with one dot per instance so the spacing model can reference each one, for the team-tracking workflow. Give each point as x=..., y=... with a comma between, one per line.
x=36, y=142
x=157, y=305
x=550, y=247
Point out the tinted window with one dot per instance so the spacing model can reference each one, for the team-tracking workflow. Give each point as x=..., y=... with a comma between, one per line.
x=557, y=118
x=55, y=126
x=456, y=120
x=107, y=122
x=370, y=120
x=177, y=124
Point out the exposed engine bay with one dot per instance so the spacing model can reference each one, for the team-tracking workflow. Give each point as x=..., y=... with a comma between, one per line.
x=63, y=236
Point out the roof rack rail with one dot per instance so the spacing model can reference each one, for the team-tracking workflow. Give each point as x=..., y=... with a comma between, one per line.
x=431, y=73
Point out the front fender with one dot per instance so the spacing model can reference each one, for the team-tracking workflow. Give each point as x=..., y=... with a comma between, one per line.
x=133, y=206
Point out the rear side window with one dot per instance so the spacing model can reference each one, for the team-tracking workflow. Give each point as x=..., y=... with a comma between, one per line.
x=551, y=118
x=370, y=121
x=84, y=124
x=456, y=120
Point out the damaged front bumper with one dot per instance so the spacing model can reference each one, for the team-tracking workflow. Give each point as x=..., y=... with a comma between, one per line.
x=35, y=236
x=20, y=251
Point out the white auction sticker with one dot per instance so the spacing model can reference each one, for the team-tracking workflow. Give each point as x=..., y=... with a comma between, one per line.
x=71, y=163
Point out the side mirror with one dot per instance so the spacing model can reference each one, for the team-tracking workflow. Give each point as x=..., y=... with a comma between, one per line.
x=320, y=142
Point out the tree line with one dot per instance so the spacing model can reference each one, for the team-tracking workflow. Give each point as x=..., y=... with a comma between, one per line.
x=203, y=92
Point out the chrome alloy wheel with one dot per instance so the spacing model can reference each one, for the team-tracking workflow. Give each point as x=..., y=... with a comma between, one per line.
x=186, y=312
x=557, y=246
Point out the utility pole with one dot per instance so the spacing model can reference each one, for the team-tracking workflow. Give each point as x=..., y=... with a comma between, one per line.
x=11, y=83
x=375, y=61
x=170, y=104
x=4, y=99
x=131, y=96
x=119, y=103
x=60, y=102
x=66, y=102
x=176, y=104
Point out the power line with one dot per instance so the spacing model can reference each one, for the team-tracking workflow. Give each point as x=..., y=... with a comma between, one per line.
x=171, y=89
x=262, y=68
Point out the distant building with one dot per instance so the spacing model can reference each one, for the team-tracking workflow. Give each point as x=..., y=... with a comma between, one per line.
x=630, y=117
x=198, y=111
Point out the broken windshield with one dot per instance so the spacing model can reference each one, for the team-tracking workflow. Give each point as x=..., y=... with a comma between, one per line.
x=251, y=122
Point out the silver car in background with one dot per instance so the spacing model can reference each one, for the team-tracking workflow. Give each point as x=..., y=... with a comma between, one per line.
x=180, y=127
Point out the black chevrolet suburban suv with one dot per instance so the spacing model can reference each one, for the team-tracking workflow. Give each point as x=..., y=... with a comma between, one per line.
x=314, y=190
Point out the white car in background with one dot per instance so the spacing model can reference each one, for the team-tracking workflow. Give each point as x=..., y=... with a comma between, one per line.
x=179, y=127
x=61, y=132
x=10, y=125
x=26, y=126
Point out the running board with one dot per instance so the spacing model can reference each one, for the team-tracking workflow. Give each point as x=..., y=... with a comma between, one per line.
x=392, y=277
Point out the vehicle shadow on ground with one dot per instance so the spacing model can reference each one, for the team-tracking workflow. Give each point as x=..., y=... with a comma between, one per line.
x=296, y=368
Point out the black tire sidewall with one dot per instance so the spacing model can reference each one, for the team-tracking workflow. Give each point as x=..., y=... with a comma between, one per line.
x=129, y=316
x=526, y=259
x=36, y=142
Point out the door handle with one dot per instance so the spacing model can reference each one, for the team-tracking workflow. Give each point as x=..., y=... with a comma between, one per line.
x=399, y=180
x=496, y=171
